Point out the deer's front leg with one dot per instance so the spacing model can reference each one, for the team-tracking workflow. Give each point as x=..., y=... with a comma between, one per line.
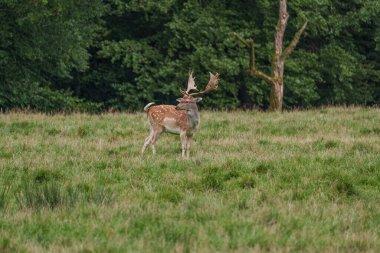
x=183, y=137
x=188, y=145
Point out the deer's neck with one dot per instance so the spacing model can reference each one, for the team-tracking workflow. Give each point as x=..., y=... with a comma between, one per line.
x=193, y=118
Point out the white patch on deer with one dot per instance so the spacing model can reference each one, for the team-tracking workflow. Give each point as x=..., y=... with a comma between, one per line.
x=171, y=126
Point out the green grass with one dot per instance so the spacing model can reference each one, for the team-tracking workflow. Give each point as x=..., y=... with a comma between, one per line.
x=302, y=181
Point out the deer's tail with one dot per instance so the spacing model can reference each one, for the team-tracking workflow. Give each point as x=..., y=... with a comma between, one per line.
x=146, y=108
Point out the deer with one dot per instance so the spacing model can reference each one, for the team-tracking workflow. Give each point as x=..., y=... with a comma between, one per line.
x=183, y=119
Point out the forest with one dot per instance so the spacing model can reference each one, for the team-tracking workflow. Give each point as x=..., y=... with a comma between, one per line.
x=93, y=55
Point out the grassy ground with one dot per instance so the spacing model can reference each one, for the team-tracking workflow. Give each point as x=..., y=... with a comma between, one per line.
x=293, y=182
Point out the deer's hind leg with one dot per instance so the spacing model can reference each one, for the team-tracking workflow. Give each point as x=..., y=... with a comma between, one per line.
x=156, y=134
x=147, y=140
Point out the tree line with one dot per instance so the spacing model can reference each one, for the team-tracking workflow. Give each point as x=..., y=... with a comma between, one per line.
x=94, y=55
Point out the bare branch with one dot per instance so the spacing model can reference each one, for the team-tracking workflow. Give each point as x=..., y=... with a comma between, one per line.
x=252, y=63
x=261, y=75
x=294, y=42
x=242, y=40
x=249, y=43
x=252, y=56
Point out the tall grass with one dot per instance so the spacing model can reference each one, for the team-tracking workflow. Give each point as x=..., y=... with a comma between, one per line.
x=301, y=181
x=36, y=194
x=4, y=197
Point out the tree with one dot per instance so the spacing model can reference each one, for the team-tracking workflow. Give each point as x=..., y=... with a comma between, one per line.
x=276, y=79
x=41, y=43
x=152, y=45
x=123, y=54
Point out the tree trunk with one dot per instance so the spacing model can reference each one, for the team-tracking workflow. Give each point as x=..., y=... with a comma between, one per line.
x=276, y=97
x=277, y=89
x=276, y=80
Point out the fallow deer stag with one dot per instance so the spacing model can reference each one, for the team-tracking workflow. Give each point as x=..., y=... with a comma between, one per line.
x=182, y=119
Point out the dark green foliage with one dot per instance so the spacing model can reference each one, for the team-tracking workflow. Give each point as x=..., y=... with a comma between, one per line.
x=41, y=42
x=95, y=55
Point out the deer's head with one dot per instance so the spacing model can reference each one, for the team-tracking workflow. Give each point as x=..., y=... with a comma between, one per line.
x=189, y=100
x=187, y=103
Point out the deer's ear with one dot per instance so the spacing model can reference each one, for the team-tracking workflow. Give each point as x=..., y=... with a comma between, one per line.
x=198, y=100
x=179, y=100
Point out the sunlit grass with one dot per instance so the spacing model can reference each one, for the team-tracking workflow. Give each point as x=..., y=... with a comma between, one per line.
x=296, y=181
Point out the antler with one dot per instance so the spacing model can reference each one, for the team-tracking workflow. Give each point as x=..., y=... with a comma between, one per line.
x=190, y=84
x=211, y=86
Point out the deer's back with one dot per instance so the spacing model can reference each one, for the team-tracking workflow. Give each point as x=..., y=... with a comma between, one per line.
x=168, y=117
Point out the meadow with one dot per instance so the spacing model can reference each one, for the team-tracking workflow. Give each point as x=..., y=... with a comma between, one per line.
x=297, y=181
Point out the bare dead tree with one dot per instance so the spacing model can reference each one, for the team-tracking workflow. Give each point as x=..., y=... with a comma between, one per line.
x=276, y=79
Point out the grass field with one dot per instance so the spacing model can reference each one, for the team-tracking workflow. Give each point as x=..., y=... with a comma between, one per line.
x=303, y=181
